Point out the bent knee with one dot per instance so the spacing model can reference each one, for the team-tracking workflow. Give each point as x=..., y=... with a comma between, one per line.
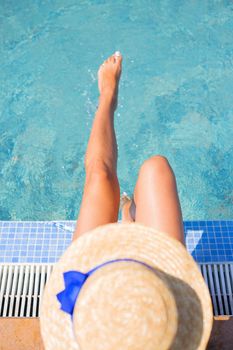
x=156, y=165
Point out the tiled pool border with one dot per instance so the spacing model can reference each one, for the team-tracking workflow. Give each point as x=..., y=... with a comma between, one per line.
x=45, y=241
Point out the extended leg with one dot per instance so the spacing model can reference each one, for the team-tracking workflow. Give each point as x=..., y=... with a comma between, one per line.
x=156, y=198
x=101, y=197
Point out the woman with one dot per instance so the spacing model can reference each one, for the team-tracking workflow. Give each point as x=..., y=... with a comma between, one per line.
x=125, y=286
x=155, y=200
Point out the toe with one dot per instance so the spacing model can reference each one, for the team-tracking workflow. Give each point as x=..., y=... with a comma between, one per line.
x=118, y=56
x=119, y=59
x=112, y=59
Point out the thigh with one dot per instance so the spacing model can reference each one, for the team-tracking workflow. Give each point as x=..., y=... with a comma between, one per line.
x=156, y=198
x=100, y=202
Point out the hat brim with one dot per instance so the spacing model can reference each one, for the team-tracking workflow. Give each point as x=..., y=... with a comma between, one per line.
x=118, y=241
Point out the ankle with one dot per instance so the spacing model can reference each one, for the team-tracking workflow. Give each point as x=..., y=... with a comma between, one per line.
x=107, y=99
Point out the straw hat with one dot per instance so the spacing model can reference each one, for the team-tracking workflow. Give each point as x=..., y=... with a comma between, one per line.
x=149, y=294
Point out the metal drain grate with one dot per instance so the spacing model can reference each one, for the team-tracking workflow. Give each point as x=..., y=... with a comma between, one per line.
x=21, y=287
x=219, y=278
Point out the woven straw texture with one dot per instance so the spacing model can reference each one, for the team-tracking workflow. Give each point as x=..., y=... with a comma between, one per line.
x=126, y=305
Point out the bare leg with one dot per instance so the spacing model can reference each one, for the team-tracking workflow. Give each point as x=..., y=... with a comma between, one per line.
x=156, y=202
x=101, y=197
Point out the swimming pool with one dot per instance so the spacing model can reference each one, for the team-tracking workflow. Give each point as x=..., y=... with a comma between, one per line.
x=175, y=99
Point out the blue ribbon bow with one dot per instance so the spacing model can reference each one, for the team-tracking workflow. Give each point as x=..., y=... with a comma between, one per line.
x=74, y=281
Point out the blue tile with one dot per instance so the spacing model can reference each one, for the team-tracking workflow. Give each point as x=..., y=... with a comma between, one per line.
x=44, y=240
x=187, y=224
x=23, y=259
x=217, y=222
x=52, y=259
x=209, y=223
x=23, y=253
x=227, y=245
x=218, y=234
x=214, y=252
x=202, y=223
x=45, y=253
x=220, y=246
x=7, y=259
x=222, y=257
x=9, y=252
x=229, y=252
x=190, y=246
x=206, y=259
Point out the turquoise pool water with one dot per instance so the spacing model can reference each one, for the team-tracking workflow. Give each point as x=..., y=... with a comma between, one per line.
x=176, y=99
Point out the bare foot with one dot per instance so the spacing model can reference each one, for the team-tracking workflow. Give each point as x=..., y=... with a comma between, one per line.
x=108, y=78
x=128, y=208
